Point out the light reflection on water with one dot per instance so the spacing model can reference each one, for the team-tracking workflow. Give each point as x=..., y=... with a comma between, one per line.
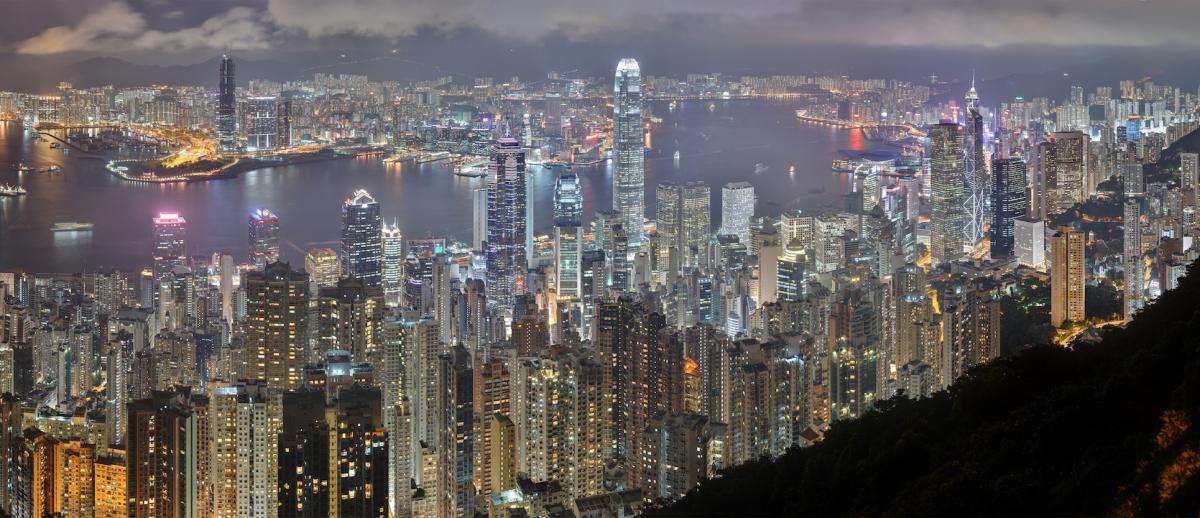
x=716, y=146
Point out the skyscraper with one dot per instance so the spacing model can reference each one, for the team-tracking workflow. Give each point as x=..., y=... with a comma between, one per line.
x=393, y=265
x=170, y=244
x=568, y=220
x=1064, y=163
x=683, y=220
x=162, y=450
x=362, y=238
x=737, y=209
x=226, y=119
x=323, y=267
x=1067, y=277
x=974, y=170
x=1131, y=256
x=277, y=325
x=506, y=220
x=264, y=237
x=1009, y=177
x=262, y=123
x=628, y=151
x=948, y=189
x=245, y=420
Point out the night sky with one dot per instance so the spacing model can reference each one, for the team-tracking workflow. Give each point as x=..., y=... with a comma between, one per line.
x=404, y=39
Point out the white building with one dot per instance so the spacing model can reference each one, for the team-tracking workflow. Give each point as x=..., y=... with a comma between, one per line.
x=1029, y=236
x=737, y=209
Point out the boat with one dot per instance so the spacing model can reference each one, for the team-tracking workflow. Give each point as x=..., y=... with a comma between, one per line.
x=760, y=168
x=72, y=226
x=676, y=155
x=24, y=168
x=792, y=170
x=54, y=169
x=55, y=145
x=12, y=190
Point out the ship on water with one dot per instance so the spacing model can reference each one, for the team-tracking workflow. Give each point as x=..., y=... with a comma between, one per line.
x=12, y=190
x=72, y=226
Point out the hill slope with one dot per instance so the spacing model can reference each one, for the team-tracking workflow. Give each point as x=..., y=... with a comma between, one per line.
x=1111, y=428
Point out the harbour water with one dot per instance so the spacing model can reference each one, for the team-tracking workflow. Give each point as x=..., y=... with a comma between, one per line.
x=718, y=142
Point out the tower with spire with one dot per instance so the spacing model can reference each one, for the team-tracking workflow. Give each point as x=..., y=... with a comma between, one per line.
x=975, y=171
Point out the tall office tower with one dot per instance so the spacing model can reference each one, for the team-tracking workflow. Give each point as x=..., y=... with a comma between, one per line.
x=947, y=187
x=263, y=237
x=568, y=235
x=1132, y=257
x=227, y=271
x=162, y=450
x=1029, y=238
x=695, y=223
x=262, y=123
x=616, y=329
x=479, y=207
x=629, y=149
x=1009, y=177
x=974, y=171
x=619, y=272
x=737, y=209
x=245, y=421
x=667, y=197
x=393, y=265
x=304, y=456
x=362, y=238
x=456, y=442
x=506, y=221
x=226, y=119
x=1067, y=276
x=1064, y=170
x=283, y=123
x=323, y=267
x=359, y=464
x=170, y=244
x=1189, y=171
x=277, y=325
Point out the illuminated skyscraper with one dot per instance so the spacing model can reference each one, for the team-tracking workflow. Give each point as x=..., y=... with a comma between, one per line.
x=737, y=209
x=1064, y=163
x=323, y=267
x=568, y=218
x=1009, y=177
x=245, y=421
x=362, y=238
x=226, y=119
x=628, y=151
x=162, y=450
x=1132, y=257
x=264, y=237
x=683, y=220
x=1067, y=277
x=262, y=123
x=506, y=220
x=947, y=187
x=276, y=325
x=974, y=171
x=170, y=244
x=393, y=264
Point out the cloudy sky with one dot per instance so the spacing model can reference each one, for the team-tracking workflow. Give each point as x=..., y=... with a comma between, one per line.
x=772, y=35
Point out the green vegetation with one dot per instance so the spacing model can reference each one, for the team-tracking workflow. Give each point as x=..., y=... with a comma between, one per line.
x=1107, y=428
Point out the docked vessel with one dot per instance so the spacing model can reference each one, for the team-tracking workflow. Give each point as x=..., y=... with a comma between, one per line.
x=71, y=226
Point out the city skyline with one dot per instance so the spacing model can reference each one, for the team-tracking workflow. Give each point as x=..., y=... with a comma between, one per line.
x=297, y=291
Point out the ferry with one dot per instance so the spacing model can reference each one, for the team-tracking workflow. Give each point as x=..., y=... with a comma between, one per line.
x=72, y=226
x=12, y=190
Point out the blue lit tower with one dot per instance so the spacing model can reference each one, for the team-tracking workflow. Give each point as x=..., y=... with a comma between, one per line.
x=628, y=151
x=263, y=237
x=226, y=120
x=568, y=219
x=1009, y=201
x=362, y=238
x=974, y=170
x=506, y=220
